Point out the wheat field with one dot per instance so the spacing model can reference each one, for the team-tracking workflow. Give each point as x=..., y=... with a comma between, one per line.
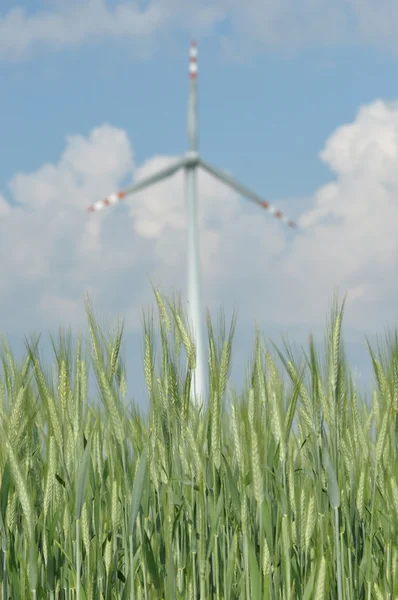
x=286, y=491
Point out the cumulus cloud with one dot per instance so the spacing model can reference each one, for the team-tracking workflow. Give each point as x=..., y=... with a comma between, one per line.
x=71, y=23
x=253, y=26
x=56, y=251
x=352, y=224
x=288, y=25
x=4, y=207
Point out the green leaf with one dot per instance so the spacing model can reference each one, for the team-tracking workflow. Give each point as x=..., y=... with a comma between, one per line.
x=232, y=488
x=151, y=562
x=255, y=580
x=137, y=489
x=5, y=486
x=333, y=487
x=310, y=586
x=230, y=567
x=82, y=480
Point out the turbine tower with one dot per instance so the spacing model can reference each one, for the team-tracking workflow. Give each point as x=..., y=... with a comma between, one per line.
x=189, y=163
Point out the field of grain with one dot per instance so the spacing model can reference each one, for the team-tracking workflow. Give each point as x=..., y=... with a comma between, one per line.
x=286, y=491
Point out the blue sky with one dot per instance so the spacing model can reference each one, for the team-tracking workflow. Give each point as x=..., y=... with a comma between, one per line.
x=276, y=89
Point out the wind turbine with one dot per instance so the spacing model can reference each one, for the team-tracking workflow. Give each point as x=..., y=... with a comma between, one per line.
x=190, y=161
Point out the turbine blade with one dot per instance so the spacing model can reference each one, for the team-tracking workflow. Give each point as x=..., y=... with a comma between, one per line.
x=140, y=185
x=246, y=192
x=192, y=99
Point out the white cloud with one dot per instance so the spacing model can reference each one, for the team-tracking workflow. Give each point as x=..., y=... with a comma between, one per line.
x=71, y=23
x=287, y=24
x=350, y=235
x=56, y=252
x=254, y=25
x=4, y=207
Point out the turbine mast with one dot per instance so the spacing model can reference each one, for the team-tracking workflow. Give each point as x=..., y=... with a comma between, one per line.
x=194, y=295
x=190, y=163
x=193, y=100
